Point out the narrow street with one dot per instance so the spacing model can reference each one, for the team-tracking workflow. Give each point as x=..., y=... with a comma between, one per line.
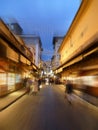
x=48, y=110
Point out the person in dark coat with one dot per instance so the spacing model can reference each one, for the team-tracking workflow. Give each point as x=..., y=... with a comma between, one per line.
x=69, y=87
x=69, y=90
x=39, y=83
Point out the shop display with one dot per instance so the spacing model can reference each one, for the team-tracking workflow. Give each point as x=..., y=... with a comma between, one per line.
x=18, y=78
x=11, y=81
x=3, y=78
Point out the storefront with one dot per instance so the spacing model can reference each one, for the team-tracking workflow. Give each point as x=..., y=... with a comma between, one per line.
x=14, y=62
x=3, y=83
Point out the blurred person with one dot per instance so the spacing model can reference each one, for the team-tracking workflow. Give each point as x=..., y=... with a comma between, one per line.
x=24, y=82
x=39, y=84
x=34, y=87
x=69, y=90
x=28, y=84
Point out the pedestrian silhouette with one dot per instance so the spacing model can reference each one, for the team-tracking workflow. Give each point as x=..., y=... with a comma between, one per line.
x=69, y=90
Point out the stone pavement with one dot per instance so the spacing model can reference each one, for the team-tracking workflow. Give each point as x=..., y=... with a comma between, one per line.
x=11, y=98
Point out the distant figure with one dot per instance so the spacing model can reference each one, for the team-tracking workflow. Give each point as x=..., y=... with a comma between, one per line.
x=39, y=83
x=34, y=88
x=69, y=90
x=28, y=84
x=24, y=82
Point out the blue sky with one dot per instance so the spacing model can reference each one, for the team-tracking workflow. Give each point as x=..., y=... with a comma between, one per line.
x=45, y=18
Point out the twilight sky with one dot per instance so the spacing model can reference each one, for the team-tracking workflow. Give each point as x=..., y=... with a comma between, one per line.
x=45, y=18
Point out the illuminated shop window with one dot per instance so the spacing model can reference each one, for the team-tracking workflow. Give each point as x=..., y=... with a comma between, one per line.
x=18, y=78
x=11, y=81
x=2, y=78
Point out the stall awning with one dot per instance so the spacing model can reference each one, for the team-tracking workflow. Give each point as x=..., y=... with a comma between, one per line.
x=23, y=59
x=11, y=54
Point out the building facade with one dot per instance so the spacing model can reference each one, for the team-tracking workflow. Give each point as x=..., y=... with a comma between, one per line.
x=56, y=57
x=79, y=49
x=35, y=45
x=15, y=61
x=13, y=25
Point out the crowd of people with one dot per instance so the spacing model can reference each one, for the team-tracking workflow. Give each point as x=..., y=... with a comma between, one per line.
x=32, y=85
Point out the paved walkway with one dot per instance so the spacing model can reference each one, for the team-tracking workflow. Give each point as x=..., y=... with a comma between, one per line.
x=14, y=96
x=11, y=98
x=49, y=110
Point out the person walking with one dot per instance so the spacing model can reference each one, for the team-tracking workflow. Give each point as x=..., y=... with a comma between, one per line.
x=34, y=87
x=28, y=84
x=69, y=90
x=39, y=84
